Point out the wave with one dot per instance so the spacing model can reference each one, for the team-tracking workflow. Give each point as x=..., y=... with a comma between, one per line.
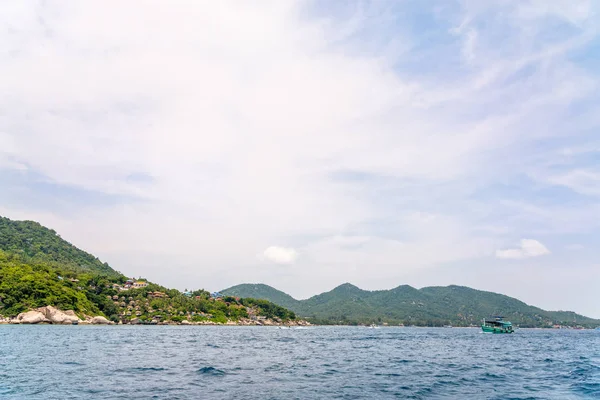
x=211, y=371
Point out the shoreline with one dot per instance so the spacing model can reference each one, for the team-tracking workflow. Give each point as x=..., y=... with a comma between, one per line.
x=50, y=315
x=274, y=325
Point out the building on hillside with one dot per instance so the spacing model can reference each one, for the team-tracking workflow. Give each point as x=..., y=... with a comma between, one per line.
x=139, y=284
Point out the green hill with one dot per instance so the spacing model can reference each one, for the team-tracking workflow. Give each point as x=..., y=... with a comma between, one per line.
x=429, y=306
x=38, y=244
x=261, y=291
x=38, y=268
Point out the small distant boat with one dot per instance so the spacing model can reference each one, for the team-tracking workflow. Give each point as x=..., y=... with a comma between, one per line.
x=373, y=326
x=447, y=326
x=497, y=325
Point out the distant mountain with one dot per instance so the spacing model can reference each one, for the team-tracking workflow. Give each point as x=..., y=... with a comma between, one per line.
x=429, y=306
x=261, y=291
x=36, y=243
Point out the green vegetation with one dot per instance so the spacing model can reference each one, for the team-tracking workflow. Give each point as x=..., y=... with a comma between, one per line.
x=38, y=268
x=261, y=291
x=37, y=244
x=24, y=287
x=268, y=309
x=430, y=306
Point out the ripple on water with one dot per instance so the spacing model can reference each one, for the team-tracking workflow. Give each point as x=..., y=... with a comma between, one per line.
x=319, y=363
x=211, y=371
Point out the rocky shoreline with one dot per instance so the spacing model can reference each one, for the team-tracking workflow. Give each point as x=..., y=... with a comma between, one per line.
x=54, y=316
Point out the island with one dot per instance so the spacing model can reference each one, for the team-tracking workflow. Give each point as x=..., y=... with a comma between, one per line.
x=45, y=279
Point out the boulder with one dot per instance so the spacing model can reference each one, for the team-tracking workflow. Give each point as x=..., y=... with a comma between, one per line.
x=185, y=322
x=99, y=321
x=57, y=316
x=31, y=317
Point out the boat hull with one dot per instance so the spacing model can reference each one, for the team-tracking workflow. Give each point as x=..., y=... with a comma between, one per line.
x=492, y=329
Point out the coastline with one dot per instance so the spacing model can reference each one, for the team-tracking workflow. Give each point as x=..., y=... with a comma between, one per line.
x=50, y=315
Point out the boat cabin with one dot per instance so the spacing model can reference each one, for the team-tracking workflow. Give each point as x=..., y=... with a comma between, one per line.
x=497, y=325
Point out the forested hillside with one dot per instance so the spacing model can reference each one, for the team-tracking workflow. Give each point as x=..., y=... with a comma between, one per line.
x=429, y=306
x=38, y=244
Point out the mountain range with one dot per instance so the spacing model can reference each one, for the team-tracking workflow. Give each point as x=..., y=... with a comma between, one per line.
x=38, y=268
x=429, y=306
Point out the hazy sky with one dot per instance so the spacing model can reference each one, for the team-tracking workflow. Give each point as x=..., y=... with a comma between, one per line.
x=203, y=144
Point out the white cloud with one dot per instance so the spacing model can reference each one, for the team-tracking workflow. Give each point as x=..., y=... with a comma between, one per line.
x=528, y=248
x=580, y=180
x=280, y=255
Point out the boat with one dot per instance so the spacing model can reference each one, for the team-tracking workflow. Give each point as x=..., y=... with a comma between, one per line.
x=497, y=325
x=447, y=326
x=373, y=326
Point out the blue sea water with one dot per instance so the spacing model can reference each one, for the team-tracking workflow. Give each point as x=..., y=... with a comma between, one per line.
x=202, y=362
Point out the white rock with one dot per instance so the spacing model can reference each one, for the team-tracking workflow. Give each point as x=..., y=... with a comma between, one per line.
x=99, y=321
x=185, y=322
x=31, y=317
x=57, y=316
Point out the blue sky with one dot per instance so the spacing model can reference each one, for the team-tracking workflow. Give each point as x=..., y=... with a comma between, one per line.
x=304, y=144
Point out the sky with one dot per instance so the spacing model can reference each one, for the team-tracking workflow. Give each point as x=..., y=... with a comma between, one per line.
x=304, y=144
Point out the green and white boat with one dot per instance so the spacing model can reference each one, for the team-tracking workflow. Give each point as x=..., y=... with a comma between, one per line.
x=497, y=325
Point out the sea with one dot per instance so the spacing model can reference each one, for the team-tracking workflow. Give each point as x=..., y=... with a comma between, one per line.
x=321, y=362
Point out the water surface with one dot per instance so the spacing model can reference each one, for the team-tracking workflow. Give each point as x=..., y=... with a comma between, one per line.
x=193, y=362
